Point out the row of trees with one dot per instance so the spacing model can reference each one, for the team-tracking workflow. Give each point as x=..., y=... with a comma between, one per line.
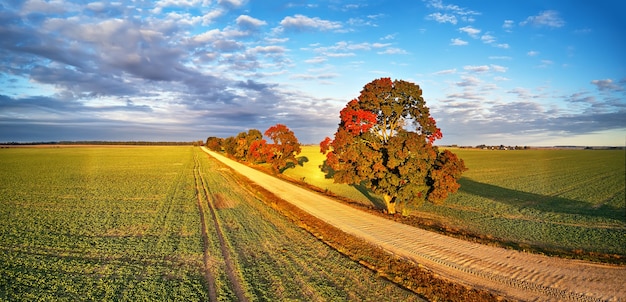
x=250, y=146
x=384, y=142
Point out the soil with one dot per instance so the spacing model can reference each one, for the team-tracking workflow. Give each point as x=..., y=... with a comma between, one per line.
x=513, y=274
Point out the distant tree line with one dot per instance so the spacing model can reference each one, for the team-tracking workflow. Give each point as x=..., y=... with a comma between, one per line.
x=280, y=151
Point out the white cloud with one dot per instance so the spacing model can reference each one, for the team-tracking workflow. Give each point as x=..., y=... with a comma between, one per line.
x=209, y=17
x=468, y=81
x=393, y=51
x=498, y=68
x=476, y=69
x=442, y=18
x=503, y=45
x=458, y=42
x=472, y=32
x=446, y=71
x=33, y=6
x=267, y=49
x=507, y=25
x=341, y=54
x=532, y=53
x=438, y=4
x=487, y=38
x=249, y=22
x=301, y=23
x=549, y=18
x=316, y=60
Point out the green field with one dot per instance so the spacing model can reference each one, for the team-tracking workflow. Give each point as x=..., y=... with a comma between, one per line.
x=557, y=199
x=126, y=224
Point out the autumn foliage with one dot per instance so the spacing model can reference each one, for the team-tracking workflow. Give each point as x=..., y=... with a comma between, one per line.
x=385, y=141
x=250, y=146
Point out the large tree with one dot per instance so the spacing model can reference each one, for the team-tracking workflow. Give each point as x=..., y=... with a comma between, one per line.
x=282, y=152
x=385, y=142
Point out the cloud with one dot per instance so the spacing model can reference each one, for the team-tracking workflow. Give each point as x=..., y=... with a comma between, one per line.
x=498, y=68
x=472, y=32
x=468, y=81
x=487, y=38
x=442, y=18
x=532, y=53
x=447, y=71
x=476, y=69
x=438, y=4
x=316, y=60
x=458, y=42
x=508, y=25
x=248, y=22
x=392, y=51
x=549, y=18
x=304, y=23
x=231, y=3
x=607, y=85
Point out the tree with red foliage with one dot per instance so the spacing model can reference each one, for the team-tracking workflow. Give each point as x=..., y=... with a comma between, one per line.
x=385, y=141
x=260, y=152
x=282, y=152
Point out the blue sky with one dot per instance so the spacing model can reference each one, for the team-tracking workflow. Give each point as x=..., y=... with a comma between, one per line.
x=492, y=72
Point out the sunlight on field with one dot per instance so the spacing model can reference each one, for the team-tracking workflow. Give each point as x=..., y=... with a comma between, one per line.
x=123, y=224
x=94, y=223
x=566, y=199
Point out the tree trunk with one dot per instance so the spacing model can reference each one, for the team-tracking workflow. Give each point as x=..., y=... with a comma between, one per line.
x=390, y=202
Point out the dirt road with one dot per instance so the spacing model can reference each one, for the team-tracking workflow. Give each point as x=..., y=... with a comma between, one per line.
x=518, y=275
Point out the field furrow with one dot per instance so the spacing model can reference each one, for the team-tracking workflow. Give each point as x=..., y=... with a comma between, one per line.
x=231, y=269
x=208, y=264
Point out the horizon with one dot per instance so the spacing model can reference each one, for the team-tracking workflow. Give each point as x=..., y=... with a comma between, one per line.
x=140, y=142
x=534, y=73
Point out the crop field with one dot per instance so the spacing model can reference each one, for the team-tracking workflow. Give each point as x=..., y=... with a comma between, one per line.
x=570, y=200
x=157, y=224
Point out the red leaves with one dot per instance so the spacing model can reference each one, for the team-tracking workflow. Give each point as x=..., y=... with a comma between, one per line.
x=285, y=147
x=435, y=135
x=325, y=145
x=260, y=151
x=357, y=121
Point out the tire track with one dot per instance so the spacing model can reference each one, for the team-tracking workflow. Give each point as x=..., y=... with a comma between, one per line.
x=518, y=275
x=231, y=270
x=208, y=267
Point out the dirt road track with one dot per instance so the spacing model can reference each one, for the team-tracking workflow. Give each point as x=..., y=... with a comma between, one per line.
x=517, y=275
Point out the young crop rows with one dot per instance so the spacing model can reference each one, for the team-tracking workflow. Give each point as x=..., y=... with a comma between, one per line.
x=156, y=223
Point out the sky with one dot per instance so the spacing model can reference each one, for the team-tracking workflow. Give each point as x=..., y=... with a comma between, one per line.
x=532, y=73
